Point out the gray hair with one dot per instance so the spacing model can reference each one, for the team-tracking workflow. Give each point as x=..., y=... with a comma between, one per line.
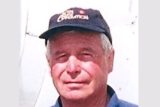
x=106, y=44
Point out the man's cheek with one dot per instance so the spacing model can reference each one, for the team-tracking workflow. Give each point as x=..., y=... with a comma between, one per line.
x=91, y=67
x=57, y=70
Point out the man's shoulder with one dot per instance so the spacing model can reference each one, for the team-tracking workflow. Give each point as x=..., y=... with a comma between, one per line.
x=123, y=103
x=116, y=102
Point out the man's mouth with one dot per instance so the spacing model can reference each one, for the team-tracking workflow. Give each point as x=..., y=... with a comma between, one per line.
x=75, y=84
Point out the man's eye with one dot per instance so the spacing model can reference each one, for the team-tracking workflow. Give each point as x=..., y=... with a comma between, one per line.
x=62, y=58
x=86, y=56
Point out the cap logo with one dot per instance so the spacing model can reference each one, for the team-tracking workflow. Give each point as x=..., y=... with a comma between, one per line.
x=69, y=14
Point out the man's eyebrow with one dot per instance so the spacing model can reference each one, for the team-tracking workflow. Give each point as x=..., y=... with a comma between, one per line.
x=57, y=52
x=88, y=49
x=84, y=49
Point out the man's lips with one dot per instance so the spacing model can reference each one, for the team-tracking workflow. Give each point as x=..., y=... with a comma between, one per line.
x=75, y=82
x=75, y=85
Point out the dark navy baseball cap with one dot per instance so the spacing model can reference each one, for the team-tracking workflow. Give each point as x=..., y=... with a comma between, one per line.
x=77, y=18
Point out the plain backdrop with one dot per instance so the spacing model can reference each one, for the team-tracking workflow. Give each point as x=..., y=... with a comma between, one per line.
x=36, y=88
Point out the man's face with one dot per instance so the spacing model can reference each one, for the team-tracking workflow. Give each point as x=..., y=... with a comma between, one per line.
x=79, y=66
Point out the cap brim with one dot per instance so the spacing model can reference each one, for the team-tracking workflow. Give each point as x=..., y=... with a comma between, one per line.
x=66, y=27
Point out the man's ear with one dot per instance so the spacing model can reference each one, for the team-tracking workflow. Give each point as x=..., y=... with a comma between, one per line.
x=110, y=60
x=49, y=64
x=48, y=60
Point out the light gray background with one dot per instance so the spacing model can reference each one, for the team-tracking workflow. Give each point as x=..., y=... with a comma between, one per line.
x=9, y=52
x=149, y=31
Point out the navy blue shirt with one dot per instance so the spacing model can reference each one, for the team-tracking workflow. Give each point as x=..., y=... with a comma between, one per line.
x=113, y=102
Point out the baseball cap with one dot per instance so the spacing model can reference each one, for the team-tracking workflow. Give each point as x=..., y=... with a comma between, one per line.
x=77, y=18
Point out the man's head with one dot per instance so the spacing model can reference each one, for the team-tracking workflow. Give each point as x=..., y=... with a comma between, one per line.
x=79, y=58
x=77, y=18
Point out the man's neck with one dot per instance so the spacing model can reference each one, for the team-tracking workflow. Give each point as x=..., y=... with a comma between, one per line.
x=97, y=100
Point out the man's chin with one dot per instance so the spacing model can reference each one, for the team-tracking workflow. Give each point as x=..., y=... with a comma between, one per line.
x=75, y=95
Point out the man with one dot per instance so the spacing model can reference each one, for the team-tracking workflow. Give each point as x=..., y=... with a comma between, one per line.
x=80, y=56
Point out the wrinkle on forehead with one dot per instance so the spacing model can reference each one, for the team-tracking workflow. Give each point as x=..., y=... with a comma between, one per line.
x=74, y=38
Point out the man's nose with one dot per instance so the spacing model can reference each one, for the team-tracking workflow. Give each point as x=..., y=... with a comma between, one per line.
x=73, y=65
